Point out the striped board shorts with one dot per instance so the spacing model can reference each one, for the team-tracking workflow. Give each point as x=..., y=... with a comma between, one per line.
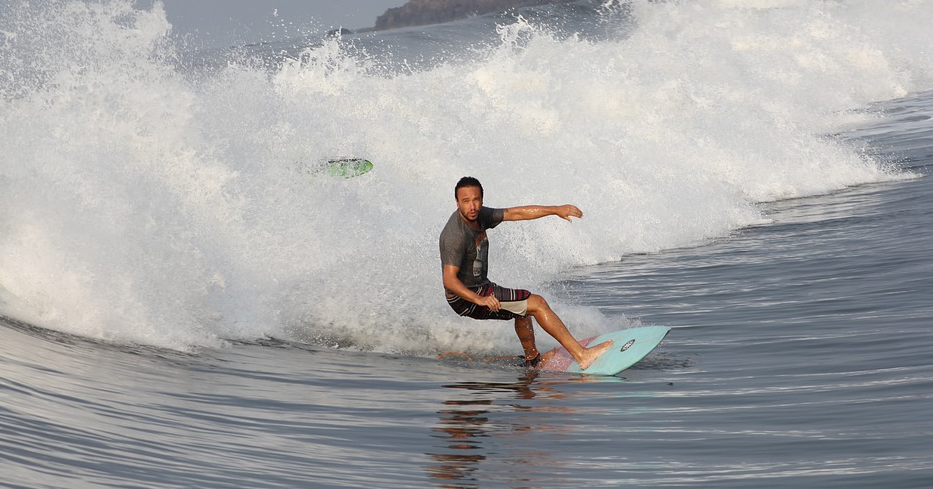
x=514, y=303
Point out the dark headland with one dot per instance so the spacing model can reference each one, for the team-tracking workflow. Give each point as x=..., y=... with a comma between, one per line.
x=424, y=12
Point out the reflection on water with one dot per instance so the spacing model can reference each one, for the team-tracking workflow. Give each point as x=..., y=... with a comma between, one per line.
x=463, y=426
x=473, y=429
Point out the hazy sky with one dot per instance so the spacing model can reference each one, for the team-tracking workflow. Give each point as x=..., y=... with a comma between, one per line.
x=224, y=22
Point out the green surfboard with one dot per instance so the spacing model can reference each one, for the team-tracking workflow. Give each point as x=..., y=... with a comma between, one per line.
x=348, y=167
x=337, y=167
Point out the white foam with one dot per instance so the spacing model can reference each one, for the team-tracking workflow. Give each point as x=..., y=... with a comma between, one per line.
x=140, y=204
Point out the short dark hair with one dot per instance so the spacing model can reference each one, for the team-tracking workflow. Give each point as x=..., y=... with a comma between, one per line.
x=468, y=182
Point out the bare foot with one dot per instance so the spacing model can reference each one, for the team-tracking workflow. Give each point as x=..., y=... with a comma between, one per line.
x=589, y=355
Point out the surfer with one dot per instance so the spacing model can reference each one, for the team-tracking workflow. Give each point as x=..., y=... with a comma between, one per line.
x=464, y=256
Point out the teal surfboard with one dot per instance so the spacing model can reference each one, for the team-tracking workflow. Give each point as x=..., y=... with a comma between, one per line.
x=629, y=346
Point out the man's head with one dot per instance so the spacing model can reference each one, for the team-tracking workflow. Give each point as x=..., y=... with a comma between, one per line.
x=467, y=182
x=469, y=195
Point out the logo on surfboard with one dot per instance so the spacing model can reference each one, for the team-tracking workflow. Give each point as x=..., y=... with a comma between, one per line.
x=627, y=345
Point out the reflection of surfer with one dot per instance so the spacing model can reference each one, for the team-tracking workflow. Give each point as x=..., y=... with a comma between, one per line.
x=467, y=424
x=464, y=257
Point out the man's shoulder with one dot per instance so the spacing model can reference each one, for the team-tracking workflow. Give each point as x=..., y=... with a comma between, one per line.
x=453, y=226
x=491, y=216
x=452, y=222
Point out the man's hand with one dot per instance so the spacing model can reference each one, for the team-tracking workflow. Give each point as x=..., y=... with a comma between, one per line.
x=567, y=211
x=489, y=301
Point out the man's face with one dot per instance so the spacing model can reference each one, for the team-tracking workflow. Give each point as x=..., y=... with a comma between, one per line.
x=469, y=201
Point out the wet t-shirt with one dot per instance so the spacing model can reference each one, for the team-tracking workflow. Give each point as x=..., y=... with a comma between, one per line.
x=468, y=248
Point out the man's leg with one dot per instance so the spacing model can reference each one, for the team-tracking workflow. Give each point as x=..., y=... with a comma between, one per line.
x=526, y=334
x=548, y=320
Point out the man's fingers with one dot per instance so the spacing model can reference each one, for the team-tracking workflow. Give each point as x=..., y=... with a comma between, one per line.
x=571, y=211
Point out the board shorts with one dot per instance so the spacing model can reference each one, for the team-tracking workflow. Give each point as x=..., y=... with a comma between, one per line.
x=514, y=303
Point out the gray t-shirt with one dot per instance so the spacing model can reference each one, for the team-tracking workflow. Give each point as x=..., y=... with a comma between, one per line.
x=468, y=248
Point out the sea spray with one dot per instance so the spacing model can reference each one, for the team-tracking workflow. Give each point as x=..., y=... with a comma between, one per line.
x=143, y=202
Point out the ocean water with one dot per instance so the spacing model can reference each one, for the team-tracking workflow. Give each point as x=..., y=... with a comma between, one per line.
x=182, y=304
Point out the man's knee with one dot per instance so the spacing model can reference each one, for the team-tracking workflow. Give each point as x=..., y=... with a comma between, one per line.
x=537, y=303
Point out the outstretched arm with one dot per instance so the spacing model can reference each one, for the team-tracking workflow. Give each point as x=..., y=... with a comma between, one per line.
x=528, y=212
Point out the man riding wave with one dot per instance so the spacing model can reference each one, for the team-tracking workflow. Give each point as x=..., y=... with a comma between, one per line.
x=464, y=248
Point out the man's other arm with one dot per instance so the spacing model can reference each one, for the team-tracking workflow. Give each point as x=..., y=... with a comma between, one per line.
x=455, y=285
x=528, y=212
